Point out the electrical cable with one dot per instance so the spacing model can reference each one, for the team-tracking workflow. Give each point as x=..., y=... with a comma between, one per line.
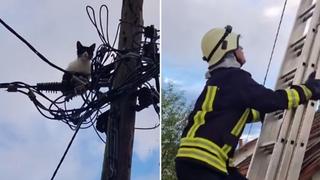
x=94, y=99
x=275, y=42
x=107, y=21
x=147, y=128
x=86, y=115
x=95, y=129
x=32, y=48
x=271, y=55
x=92, y=17
x=94, y=22
x=66, y=151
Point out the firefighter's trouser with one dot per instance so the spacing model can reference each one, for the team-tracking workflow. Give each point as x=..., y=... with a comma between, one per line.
x=191, y=171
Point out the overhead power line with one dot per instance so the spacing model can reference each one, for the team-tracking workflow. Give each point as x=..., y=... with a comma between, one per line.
x=271, y=55
x=97, y=93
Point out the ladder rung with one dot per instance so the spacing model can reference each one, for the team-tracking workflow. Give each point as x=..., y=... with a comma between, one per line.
x=307, y=17
x=267, y=144
x=298, y=53
x=289, y=73
x=278, y=112
x=298, y=41
x=298, y=47
x=307, y=10
x=287, y=84
x=278, y=116
x=267, y=147
x=289, y=78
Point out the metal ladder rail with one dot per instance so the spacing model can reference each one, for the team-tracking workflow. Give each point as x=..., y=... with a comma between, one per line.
x=264, y=148
x=290, y=128
x=302, y=132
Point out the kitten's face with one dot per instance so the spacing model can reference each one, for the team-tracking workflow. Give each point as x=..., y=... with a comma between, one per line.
x=85, y=53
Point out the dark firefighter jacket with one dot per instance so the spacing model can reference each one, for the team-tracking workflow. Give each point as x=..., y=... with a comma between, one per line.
x=229, y=100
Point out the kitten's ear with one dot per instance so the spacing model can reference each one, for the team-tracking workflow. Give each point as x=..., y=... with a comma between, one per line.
x=79, y=45
x=92, y=46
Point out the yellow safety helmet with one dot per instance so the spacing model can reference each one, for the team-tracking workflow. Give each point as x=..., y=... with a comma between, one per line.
x=217, y=42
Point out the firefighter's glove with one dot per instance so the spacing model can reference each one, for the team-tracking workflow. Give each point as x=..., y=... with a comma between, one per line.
x=314, y=86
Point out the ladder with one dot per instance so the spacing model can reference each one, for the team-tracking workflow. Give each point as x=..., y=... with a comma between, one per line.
x=280, y=149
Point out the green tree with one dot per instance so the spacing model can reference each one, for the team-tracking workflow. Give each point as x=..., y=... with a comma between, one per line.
x=174, y=115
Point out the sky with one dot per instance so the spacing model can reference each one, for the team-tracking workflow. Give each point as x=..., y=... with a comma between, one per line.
x=184, y=24
x=30, y=145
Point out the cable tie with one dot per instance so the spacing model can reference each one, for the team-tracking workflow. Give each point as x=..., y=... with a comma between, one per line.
x=32, y=96
x=12, y=88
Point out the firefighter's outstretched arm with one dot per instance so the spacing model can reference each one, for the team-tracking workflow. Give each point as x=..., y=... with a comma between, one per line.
x=265, y=100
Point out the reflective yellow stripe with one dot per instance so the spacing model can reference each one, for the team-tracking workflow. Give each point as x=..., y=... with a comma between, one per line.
x=231, y=162
x=240, y=125
x=202, y=156
x=293, y=98
x=226, y=148
x=212, y=96
x=307, y=91
x=196, y=124
x=198, y=121
x=255, y=115
x=289, y=96
x=199, y=118
x=204, y=144
x=242, y=121
x=296, y=99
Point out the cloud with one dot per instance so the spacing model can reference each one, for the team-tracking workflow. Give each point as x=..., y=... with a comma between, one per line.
x=146, y=142
x=35, y=150
x=148, y=169
x=272, y=12
x=251, y=131
x=184, y=30
x=172, y=81
x=190, y=89
x=147, y=177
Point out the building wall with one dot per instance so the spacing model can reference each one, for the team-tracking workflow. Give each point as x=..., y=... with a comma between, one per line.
x=316, y=176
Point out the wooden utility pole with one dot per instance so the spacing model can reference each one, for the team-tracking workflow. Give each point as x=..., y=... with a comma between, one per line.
x=121, y=121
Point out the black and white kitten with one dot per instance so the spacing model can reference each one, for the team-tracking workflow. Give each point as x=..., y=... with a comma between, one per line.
x=80, y=67
x=82, y=64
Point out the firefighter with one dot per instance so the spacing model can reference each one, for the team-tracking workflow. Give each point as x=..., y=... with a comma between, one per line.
x=229, y=100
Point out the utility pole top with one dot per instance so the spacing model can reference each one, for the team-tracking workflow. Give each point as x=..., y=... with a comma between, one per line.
x=121, y=121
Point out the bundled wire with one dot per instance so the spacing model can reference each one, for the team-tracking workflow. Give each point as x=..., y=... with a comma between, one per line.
x=98, y=93
x=103, y=34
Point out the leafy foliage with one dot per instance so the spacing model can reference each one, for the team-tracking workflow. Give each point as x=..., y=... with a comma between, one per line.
x=174, y=115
